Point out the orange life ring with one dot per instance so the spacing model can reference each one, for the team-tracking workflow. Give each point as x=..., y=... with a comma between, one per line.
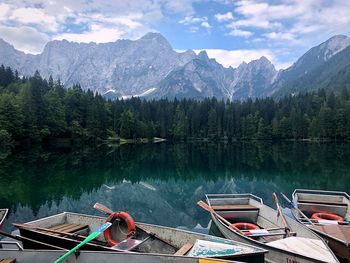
x=122, y=216
x=246, y=226
x=327, y=216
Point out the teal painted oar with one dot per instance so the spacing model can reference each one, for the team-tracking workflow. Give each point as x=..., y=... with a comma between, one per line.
x=86, y=240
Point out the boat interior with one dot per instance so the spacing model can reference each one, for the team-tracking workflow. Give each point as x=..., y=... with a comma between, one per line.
x=248, y=208
x=314, y=201
x=147, y=239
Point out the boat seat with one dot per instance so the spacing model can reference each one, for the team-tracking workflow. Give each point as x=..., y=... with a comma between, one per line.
x=184, y=249
x=8, y=260
x=321, y=202
x=68, y=228
x=233, y=207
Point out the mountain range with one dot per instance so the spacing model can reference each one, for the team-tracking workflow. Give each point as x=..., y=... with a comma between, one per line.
x=149, y=67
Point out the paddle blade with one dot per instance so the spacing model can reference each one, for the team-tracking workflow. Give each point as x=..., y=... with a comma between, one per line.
x=102, y=208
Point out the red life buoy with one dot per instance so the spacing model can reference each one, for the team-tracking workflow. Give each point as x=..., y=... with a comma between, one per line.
x=246, y=226
x=327, y=216
x=122, y=216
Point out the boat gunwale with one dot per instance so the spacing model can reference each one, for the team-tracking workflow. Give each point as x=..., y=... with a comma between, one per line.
x=255, y=250
x=319, y=192
x=122, y=252
x=248, y=195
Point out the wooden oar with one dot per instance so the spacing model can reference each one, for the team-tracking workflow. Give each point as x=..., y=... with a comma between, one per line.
x=208, y=208
x=279, y=209
x=90, y=237
x=102, y=208
x=296, y=208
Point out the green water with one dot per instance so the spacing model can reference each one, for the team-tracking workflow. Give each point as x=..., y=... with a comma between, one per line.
x=161, y=183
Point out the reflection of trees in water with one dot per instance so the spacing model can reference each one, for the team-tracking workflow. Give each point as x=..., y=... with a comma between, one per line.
x=182, y=172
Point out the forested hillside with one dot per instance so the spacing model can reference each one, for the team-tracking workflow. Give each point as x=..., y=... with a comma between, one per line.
x=35, y=110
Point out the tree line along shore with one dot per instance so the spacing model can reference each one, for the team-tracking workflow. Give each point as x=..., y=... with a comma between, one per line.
x=35, y=110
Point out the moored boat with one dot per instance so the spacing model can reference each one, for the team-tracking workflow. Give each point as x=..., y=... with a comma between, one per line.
x=44, y=256
x=328, y=214
x=245, y=218
x=163, y=243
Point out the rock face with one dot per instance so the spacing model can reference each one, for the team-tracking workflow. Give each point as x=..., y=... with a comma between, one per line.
x=308, y=63
x=150, y=68
x=127, y=67
x=253, y=80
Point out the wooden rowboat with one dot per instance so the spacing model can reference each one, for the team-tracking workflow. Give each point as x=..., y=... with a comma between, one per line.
x=161, y=244
x=308, y=202
x=300, y=245
x=3, y=213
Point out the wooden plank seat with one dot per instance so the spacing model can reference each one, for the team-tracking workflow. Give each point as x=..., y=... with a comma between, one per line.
x=8, y=260
x=234, y=207
x=184, y=249
x=323, y=202
x=69, y=228
x=64, y=228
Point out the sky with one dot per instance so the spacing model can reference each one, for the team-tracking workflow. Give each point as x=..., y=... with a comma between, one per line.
x=231, y=31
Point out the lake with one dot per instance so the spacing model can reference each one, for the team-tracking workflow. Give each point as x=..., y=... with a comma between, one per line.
x=161, y=183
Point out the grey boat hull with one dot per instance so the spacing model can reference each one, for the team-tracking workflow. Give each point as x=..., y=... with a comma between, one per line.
x=276, y=254
x=45, y=256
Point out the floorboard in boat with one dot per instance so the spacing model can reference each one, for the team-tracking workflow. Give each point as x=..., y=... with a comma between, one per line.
x=337, y=231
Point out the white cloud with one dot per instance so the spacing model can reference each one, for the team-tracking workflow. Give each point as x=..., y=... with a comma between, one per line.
x=224, y=17
x=285, y=20
x=190, y=20
x=240, y=33
x=26, y=39
x=34, y=16
x=97, y=34
x=4, y=9
x=206, y=25
x=88, y=20
x=280, y=36
x=234, y=58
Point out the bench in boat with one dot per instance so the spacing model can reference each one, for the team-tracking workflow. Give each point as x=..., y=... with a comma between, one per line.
x=184, y=249
x=58, y=230
x=233, y=207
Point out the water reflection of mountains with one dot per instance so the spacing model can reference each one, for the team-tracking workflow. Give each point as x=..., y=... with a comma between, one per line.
x=161, y=183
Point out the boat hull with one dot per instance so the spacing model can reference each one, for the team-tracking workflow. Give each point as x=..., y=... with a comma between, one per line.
x=44, y=256
x=275, y=255
x=172, y=236
x=333, y=202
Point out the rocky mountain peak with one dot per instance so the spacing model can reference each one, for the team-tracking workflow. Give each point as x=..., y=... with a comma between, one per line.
x=203, y=55
x=334, y=45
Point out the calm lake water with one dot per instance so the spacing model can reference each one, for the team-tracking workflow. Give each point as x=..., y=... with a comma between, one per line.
x=161, y=183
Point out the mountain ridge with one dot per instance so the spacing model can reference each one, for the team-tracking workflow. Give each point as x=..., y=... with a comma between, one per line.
x=149, y=67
